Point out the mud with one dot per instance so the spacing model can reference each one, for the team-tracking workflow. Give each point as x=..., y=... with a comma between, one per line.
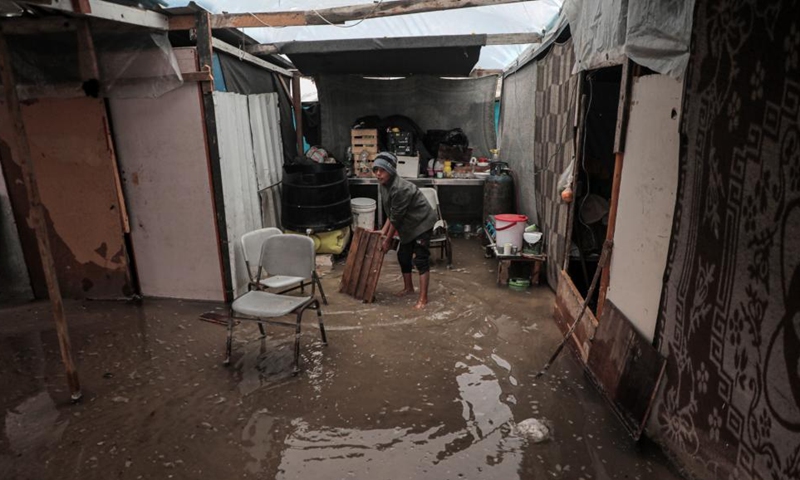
x=397, y=394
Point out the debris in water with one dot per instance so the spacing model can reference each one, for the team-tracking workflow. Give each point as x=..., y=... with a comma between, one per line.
x=120, y=400
x=532, y=429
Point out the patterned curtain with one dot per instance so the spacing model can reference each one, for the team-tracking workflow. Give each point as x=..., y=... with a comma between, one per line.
x=730, y=311
x=554, y=110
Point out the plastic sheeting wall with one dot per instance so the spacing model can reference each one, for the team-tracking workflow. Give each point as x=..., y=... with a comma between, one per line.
x=165, y=174
x=517, y=134
x=646, y=200
x=653, y=33
x=250, y=157
x=432, y=102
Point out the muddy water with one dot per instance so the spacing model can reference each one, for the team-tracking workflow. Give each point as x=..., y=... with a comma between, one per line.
x=397, y=394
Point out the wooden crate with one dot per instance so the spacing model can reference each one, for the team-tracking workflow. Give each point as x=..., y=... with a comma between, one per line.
x=363, y=267
x=364, y=139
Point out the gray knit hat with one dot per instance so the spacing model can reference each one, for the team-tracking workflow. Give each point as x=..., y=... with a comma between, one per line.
x=386, y=161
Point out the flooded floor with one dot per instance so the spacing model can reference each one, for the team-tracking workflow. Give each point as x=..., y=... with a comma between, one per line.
x=447, y=393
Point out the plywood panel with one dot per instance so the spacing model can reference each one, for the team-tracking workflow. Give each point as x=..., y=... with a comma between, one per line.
x=161, y=149
x=646, y=201
x=239, y=178
x=626, y=366
x=73, y=160
x=567, y=309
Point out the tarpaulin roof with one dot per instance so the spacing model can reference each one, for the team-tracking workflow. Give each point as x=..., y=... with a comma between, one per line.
x=531, y=16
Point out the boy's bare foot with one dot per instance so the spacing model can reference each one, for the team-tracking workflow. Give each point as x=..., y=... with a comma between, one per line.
x=420, y=304
x=404, y=292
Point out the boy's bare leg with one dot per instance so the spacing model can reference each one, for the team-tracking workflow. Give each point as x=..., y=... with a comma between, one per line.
x=408, y=286
x=424, y=280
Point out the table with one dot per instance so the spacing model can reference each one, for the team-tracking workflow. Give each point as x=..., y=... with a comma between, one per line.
x=420, y=182
x=506, y=262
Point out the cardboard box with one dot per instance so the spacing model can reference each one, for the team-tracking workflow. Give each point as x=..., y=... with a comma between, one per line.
x=408, y=167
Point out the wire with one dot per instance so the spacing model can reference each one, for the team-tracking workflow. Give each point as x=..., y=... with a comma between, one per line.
x=378, y=4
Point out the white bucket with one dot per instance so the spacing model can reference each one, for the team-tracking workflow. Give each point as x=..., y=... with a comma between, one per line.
x=363, y=212
x=509, y=228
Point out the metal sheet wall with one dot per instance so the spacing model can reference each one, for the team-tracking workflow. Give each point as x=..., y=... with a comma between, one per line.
x=250, y=157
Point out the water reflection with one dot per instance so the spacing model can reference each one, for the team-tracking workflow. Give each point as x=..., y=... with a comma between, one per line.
x=481, y=448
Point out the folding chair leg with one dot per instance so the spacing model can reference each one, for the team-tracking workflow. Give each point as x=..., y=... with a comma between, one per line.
x=229, y=343
x=321, y=324
x=449, y=249
x=316, y=280
x=261, y=329
x=297, y=344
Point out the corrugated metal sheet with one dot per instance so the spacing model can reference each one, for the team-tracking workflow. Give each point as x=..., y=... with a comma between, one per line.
x=250, y=158
x=268, y=151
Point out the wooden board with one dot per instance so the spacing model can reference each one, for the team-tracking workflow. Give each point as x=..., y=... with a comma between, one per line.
x=363, y=267
x=567, y=309
x=364, y=140
x=626, y=367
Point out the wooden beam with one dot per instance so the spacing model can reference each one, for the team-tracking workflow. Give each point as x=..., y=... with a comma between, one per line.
x=336, y=15
x=491, y=39
x=242, y=55
x=297, y=103
x=623, y=110
x=19, y=137
x=513, y=38
x=81, y=6
x=115, y=12
x=28, y=26
x=263, y=49
x=204, y=55
x=87, y=57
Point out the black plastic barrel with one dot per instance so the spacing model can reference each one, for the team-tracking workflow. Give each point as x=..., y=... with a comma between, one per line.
x=315, y=197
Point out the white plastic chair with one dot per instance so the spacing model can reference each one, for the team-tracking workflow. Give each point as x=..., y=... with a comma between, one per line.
x=252, y=244
x=440, y=238
x=285, y=255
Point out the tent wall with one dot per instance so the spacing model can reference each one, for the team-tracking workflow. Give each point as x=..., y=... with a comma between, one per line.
x=728, y=323
x=432, y=102
x=77, y=174
x=163, y=157
x=652, y=33
x=517, y=134
x=14, y=281
x=646, y=200
x=250, y=162
x=554, y=117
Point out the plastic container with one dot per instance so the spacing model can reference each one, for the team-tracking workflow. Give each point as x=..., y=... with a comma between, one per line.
x=519, y=284
x=363, y=212
x=509, y=227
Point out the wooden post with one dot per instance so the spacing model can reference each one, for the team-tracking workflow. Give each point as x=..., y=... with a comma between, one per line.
x=20, y=139
x=297, y=101
x=87, y=57
x=204, y=54
x=619, y=149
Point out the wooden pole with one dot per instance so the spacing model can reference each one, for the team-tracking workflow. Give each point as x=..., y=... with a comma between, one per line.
x=20, y=139
x=205, y=58
x=623, y=110
x=297, y=102
x=335, y=15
